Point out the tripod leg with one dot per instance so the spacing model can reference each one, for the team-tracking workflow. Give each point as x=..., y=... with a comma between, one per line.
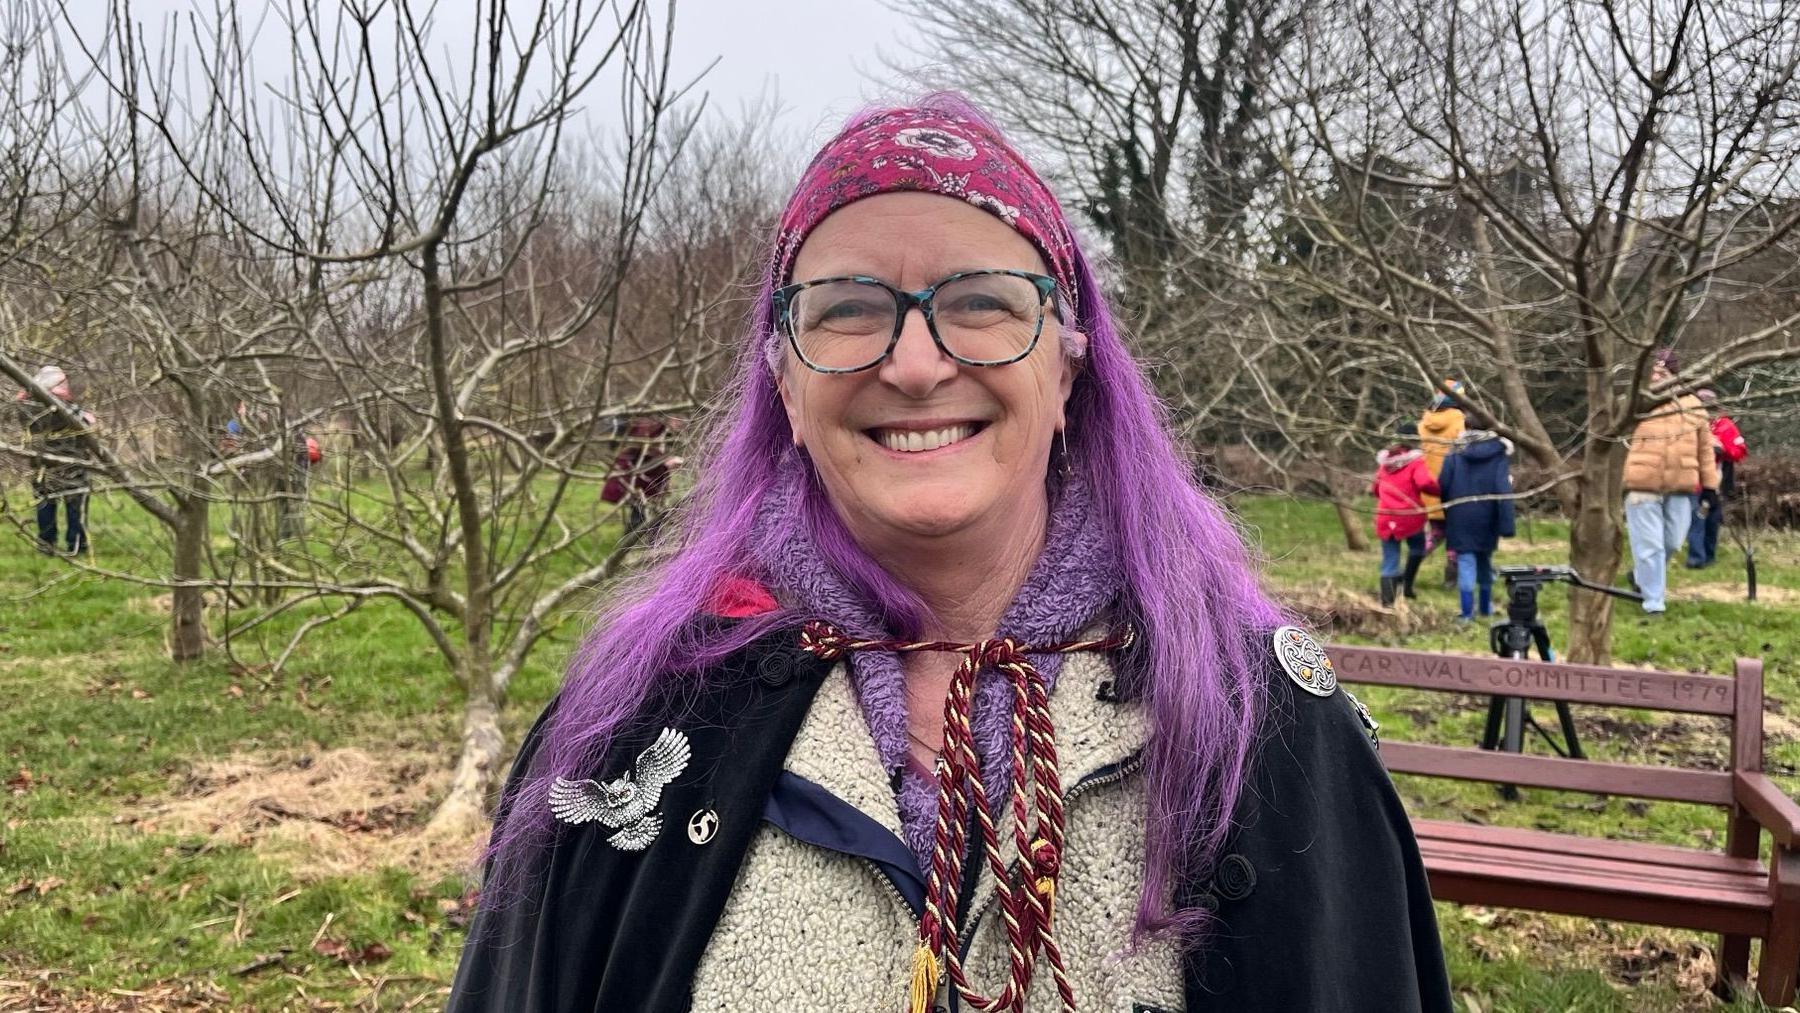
x=1490, y=737
x=1514, y=739
x=1568, y=730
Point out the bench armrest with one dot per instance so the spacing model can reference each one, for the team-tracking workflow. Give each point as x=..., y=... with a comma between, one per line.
x=1764, y=800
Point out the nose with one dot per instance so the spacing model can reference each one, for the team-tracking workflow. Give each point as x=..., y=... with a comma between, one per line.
x=917, y=366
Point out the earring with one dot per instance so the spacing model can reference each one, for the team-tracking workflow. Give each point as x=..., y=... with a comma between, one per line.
x=1068, y=463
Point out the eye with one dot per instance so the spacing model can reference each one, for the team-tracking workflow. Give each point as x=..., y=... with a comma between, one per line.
x=980, y=302
x=847, y=309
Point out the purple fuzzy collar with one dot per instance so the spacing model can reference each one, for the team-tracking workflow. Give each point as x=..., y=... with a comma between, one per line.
x=1075, y=581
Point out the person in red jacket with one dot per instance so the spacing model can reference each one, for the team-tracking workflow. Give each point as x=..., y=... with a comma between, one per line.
x=1402, y=481
x=1728, y=449
x=640, y=474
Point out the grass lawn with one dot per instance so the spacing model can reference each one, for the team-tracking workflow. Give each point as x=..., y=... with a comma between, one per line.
x=216, y=836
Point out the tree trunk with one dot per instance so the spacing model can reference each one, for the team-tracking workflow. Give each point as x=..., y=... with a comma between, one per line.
x=187, y=612
x=464, y=808
x=465, y=805
x=1356, y=537
x=1594, y=550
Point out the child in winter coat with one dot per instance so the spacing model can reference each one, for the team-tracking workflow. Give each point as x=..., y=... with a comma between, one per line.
x=1729, y=450
x=1478, y=475
x=1402, y=482
x=1439, y=427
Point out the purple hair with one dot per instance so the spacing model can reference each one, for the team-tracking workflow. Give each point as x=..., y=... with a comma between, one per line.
x=1191, y=588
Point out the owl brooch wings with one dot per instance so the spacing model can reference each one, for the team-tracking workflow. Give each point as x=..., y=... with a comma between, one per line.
x=628, y=803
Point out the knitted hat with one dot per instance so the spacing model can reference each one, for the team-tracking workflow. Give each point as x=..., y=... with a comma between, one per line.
x=1443, y=398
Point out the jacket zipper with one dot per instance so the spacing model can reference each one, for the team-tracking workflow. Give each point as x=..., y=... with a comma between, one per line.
x=1125, y=769
x=893, y=891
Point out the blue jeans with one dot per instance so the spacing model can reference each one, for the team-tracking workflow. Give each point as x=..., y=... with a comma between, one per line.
x=74, y=506
x=1703, y=532
x=1475, y=570
x=1657, y=526
x=1390, y=553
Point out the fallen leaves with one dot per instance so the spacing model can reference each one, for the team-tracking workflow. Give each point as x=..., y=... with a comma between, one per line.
x=21, y=782
x=349, y=953
x=26, y=884
x=458, y=910
x=1625, y=955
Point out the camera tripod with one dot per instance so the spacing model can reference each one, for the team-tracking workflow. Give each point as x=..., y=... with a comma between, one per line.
x=1515, y=639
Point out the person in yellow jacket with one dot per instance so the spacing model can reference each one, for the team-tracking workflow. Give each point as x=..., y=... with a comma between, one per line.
x=1670, y=461
x=1439, y=427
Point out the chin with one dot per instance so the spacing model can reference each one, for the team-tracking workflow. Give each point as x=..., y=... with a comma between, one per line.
x=927, y=516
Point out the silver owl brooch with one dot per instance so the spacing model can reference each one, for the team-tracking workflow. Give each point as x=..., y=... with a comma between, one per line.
x=628, y=803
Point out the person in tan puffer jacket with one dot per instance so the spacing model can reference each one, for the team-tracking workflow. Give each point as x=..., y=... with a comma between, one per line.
x=1669, y=463
x=1439, y=428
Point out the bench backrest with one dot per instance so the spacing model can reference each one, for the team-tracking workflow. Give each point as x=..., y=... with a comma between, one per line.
x=1738, y=699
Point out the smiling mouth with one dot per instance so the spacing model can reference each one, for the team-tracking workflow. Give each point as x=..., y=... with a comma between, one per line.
x=917, y=441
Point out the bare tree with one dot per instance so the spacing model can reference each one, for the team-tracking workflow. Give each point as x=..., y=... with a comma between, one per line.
x=162, y=312
x=486, y=301
x=1541, y=197
x=1156, y=113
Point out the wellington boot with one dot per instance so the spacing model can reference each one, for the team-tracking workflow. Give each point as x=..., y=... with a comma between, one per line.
x=1387, y=591
x=1412, y=572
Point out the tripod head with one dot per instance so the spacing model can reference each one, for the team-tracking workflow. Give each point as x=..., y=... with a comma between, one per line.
x=1523, y=582
x=1528, y=578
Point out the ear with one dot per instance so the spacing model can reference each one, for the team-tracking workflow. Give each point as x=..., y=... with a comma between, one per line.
x=789, y=404
x=1074, y=360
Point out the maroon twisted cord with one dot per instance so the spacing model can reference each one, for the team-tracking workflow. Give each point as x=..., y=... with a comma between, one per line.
x=1027, y=907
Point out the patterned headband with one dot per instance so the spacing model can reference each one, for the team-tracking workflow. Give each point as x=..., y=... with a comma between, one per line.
x=929, y=151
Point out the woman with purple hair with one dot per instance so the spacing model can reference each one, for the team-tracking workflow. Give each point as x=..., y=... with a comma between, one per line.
x=952, y=690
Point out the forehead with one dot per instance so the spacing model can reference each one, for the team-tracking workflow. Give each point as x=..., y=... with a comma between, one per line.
x=912, y=236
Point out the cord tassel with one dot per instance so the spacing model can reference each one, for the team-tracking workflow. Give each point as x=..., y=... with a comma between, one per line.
x=925, y=977
x=1028, y=906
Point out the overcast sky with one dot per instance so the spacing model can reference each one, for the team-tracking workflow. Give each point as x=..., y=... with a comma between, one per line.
x=820, y=55
x=821, y=58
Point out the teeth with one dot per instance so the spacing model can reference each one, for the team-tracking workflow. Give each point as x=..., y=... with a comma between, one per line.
x=913, y=441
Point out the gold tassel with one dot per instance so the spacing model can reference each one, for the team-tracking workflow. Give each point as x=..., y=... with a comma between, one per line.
x=1046, y=888
x=924, y=980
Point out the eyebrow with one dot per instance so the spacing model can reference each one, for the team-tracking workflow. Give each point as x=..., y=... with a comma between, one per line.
x=936, y=276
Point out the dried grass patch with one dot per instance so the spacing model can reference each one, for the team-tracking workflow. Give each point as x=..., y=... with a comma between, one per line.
x=322, y=813
x=1626, y=955
x=43, y=670
x=163, y=604
x=37, y=992
x=40, y=994
x=1733, y=592
x=1328, y=609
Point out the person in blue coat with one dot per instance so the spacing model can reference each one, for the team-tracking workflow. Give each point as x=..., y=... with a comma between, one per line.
x=1478, y=511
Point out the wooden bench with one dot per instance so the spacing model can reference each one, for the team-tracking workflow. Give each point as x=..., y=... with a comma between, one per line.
x=1732, y=893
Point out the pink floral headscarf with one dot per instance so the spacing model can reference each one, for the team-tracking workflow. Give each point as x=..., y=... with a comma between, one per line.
x=929, y=150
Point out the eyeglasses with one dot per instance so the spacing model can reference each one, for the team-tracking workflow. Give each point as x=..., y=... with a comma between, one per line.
x=851, y=323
